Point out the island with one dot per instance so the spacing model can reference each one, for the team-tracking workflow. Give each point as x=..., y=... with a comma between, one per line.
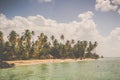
x=24, y=47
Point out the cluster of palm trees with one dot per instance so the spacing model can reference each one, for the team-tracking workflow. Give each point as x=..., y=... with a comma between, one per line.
x=23, y=47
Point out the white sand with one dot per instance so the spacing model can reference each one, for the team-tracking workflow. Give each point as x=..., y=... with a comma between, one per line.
x=44, y=61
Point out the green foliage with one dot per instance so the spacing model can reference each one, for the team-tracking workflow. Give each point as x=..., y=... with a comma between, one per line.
x=23, y=47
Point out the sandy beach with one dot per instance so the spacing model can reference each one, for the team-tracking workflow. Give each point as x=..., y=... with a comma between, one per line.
x=44, y=61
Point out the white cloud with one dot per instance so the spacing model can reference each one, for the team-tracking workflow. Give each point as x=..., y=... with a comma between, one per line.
x=41, y=1
x=112, y=43
x=107, y=5
x=85, y=29
x=86, y=16
x=116, y=2
x=119, y=11
x=44, y=1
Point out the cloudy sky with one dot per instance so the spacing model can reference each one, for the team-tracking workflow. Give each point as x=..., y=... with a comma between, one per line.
x=92, y=20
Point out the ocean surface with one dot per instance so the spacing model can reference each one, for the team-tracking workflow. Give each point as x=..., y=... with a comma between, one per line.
x=102, y=69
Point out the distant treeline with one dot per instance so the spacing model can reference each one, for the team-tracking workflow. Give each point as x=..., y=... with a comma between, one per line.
x=23, y=47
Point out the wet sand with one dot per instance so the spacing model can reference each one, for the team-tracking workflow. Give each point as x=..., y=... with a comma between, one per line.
x=45, y=61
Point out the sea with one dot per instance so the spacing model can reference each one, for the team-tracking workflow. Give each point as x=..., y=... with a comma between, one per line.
x=100, y=69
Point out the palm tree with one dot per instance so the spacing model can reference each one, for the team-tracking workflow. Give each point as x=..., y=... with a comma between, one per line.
x=1, y=39
x=1, y=44
x=62, y=46
x=55, y=43
x=80, y=49
x=56, y=49
x=13, y=39
x=95, y=45
x=27, y=36
x=25, y=48
x=85, y=44
x=90, y=48
x=62, y=37
x=22, y=47
x=8, y=53
x=72, y=41
x=52, y=38
x=75, y=50
x=67, y=48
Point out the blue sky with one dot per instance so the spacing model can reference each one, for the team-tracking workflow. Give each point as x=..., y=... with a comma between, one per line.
x=95, y=20
x=61, y=11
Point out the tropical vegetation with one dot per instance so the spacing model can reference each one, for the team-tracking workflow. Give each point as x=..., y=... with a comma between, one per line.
x=22, y=47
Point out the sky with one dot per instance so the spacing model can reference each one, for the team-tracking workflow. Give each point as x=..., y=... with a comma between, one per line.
x=92, y=20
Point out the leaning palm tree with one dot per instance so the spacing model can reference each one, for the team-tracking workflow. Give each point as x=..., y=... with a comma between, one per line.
x=91, y=46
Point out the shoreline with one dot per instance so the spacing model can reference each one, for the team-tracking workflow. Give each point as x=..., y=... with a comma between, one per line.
x=45, y=61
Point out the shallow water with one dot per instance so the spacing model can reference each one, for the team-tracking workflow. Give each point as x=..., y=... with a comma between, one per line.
x=102, y=69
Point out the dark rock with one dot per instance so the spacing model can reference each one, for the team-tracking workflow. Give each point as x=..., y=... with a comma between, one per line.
x=4, y=64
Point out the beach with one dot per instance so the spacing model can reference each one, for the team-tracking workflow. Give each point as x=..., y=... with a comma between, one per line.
x=44, y=61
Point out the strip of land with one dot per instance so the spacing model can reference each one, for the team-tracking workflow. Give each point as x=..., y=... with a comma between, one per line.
x=44, y=61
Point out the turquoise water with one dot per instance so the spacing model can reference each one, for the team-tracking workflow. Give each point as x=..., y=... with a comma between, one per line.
x=103, y=69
